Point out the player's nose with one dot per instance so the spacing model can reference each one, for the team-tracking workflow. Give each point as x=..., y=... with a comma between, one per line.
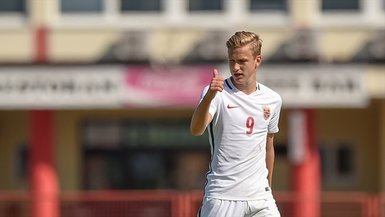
x=235, y=67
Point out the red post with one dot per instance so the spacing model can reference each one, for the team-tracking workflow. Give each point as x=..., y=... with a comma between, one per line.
x=43, y=178
x=41, y=44
x=303, y=153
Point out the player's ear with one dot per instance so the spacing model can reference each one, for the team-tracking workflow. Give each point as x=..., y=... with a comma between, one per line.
x=258, y=60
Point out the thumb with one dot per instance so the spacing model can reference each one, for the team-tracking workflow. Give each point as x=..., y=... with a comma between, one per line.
x=215, y=73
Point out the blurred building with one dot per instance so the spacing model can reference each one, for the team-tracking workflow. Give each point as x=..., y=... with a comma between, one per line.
x=119, y=80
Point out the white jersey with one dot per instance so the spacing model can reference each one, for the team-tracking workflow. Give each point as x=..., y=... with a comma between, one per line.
x=237, y=136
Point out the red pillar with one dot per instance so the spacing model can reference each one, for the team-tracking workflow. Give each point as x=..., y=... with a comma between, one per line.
x=41, y=44
x=43, y=178
x=304, y=156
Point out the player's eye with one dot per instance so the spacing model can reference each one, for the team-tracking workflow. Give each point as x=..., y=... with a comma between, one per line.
x=243, y=61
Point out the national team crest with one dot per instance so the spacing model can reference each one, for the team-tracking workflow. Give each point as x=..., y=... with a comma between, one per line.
x=266, y=112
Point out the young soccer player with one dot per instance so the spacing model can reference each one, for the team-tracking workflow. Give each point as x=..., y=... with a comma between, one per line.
x=242, y=117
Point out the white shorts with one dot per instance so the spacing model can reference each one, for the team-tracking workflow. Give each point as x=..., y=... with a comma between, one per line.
x=212, y=207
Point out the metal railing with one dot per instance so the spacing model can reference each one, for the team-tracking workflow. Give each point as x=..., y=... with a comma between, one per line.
x=182, y=204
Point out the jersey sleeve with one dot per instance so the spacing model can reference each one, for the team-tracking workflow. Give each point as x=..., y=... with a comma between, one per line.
x=213, y=104
x=273, y=125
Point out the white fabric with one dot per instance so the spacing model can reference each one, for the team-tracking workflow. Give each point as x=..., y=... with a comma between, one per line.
x=238, y=208
x=237, y=137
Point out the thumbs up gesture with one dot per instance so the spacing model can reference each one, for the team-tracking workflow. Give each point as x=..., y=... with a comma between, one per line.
x=217, y=82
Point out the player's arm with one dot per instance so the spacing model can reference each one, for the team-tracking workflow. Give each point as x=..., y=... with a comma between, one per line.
x=201, y=117
x=270, y=155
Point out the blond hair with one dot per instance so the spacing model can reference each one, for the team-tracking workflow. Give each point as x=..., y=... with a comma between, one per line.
x=242, y=38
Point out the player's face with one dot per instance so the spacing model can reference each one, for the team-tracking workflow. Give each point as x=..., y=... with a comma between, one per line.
x=243, y=65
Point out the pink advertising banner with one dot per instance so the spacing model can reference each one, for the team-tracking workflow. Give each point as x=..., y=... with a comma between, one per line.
x=176, y=86
x=122, y=86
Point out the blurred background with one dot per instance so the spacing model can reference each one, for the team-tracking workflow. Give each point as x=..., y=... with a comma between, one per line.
x=96, y=98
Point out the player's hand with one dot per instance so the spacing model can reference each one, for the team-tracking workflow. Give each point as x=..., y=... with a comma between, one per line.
x=217, y=82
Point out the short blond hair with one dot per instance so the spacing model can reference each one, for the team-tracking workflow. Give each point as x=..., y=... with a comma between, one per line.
x=242, y=38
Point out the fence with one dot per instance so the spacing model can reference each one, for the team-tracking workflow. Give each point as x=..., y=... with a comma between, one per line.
x=182, y=204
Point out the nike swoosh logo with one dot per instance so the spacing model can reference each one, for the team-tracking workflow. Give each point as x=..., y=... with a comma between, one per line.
x=232, y=106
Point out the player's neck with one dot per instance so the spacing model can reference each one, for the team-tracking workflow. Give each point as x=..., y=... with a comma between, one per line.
x=247, y=87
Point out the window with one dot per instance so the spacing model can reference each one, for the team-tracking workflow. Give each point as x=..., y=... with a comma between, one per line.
x=340, y=5
x=142, y=5
x=268, y=5
x=74, y=6
x=339, y=164
x=142, y=154
x=205, y=5
x=158, y=134
x=12, y=6
x=345, y=160
x=351, y=13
